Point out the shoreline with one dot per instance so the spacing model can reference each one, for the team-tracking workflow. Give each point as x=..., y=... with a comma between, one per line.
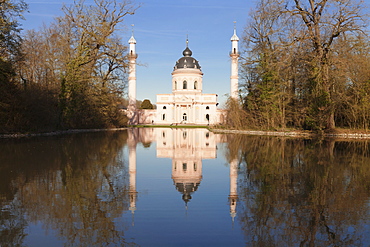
x=56, y=133
x=297, y=134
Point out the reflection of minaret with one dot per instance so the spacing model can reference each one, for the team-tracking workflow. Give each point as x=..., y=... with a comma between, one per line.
x=132, y=81
x=132, y=169
x=233, y=187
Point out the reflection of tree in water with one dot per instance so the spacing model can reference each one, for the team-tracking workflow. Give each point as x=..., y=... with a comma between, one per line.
x=303, y=192
x=79, y=188
x=12, y=224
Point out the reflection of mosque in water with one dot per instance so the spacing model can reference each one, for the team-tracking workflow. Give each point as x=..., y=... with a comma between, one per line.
x=187, y=148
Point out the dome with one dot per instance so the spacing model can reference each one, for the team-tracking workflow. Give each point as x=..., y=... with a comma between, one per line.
x=187, y=52
x=186, y=189
x=187, y=61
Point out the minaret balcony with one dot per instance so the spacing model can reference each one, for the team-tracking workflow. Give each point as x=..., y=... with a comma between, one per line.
x=132, y=56
x=234, y=54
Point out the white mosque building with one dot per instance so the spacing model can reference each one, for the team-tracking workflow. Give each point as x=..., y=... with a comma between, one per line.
x=186, y=104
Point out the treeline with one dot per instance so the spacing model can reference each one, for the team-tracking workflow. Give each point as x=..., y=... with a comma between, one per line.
x=69, y=74
x=306, y=66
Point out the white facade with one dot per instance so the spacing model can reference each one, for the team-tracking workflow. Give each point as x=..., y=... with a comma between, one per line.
x=186, y=104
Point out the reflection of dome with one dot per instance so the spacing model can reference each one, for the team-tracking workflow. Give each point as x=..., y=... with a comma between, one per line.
x=187, y=61
x=186, y=189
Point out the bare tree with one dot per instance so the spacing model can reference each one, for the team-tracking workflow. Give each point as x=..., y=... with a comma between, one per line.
x=292, y=59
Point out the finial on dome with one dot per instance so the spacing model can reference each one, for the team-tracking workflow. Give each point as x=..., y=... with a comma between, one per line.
x=132, y=39
x=187, y=52
x=234, y=37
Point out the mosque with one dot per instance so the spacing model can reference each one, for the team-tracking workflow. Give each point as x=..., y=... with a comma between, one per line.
x=186, y=104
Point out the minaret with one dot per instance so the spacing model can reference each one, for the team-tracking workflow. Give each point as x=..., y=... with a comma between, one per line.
x=234, y=54
x=132, y=81
x=233, y=197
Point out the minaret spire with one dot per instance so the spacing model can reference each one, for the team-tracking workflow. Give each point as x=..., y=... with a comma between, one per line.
x=234, y=54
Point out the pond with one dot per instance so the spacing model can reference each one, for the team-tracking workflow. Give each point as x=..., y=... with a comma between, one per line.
x=183, y=187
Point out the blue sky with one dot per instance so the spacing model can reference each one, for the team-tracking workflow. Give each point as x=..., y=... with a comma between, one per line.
x=161, y=27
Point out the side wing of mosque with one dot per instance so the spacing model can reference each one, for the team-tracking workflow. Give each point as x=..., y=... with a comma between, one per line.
x=186, y=104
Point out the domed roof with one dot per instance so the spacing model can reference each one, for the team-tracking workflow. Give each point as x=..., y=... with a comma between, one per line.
x=186, y=189
x=187, y=61
x=187, y=52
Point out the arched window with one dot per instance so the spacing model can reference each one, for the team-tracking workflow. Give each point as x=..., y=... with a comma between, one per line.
x=207, y=117
x=164, y=117
x=195, y=85
x=185, y=85
x=184, y=117
x=164, y=107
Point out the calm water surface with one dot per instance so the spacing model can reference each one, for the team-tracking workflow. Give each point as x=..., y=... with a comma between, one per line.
x=183, y=187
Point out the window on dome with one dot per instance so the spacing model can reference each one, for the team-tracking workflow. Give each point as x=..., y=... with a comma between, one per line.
x=195, y=85
x=185, y=85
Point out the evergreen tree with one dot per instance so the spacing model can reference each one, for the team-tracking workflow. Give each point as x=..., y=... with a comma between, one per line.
x=146, y=104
